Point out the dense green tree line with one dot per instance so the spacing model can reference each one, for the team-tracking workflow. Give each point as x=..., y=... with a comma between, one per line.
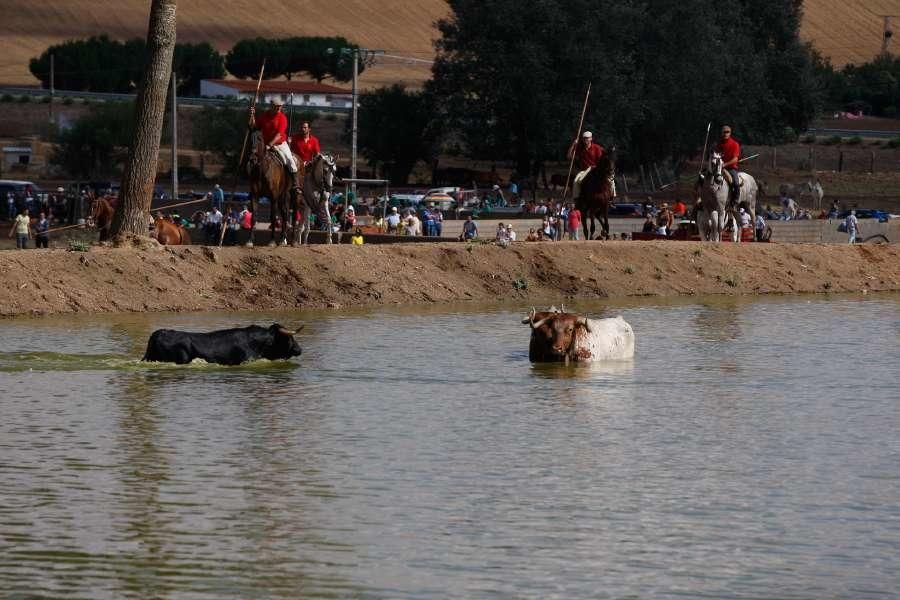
x=100, y=64
x=872, y=87
x=510, y=77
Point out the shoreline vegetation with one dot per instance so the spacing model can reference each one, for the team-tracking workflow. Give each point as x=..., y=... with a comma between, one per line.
x=149, y=277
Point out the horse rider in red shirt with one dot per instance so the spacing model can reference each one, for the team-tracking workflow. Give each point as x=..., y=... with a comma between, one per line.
x=730, y=150
x=586, y=154
x=305, y=145
x=272, y=125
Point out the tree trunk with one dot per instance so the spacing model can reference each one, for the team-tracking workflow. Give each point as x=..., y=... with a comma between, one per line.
x=140, y=169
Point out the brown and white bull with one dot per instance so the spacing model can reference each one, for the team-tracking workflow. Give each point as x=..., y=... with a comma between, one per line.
x=558, y=336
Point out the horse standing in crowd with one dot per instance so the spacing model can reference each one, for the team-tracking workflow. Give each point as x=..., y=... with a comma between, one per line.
x=102, y=216
x=595, y=197
x=716, y=207
x=318, y=183
x=269, y=178
x=168, y=233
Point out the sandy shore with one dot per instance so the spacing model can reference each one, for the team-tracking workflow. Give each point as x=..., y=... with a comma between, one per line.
x=153, y=278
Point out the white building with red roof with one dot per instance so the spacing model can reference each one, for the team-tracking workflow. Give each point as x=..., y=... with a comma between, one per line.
x=308, y=94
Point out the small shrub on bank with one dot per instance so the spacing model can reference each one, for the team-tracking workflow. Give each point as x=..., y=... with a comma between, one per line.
x=855, y=141
x=809, y=139
x=6, y=98
x=832, y=141
x=68, y=101
x=45, y=99
x=24, y=99
x=894, y=143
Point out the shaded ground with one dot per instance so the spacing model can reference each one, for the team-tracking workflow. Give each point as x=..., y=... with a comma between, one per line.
x=152, y=278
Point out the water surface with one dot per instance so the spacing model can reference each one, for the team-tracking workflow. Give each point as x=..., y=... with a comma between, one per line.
x=750, y=450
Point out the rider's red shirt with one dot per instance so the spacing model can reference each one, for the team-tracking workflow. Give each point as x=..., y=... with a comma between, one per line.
x=588, y=157
x=730, y=150
x=271, y=125
x=305, y=149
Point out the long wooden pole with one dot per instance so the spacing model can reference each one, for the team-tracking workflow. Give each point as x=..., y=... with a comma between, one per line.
x=262, y=69
x=577, y=139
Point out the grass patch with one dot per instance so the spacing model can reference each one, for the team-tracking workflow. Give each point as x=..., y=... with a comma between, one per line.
x=520, y=283
x=854, y=141
x=629, y=270
x=832, y=141
x=78, y=246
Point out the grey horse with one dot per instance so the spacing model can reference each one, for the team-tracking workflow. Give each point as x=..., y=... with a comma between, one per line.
x=716, y=208
x=318, y=183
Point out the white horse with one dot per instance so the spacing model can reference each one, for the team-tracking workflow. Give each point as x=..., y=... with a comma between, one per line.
x=716, y=208
x=812, y=187
x=318, y=183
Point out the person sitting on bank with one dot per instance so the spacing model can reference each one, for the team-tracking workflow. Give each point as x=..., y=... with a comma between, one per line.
x=357, y=238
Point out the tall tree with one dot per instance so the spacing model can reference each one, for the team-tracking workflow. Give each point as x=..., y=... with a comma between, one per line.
x=193, y=62
x=395, y=130
x=319, y=57
x=93, y=146
x=509, y=76
x=141, y=167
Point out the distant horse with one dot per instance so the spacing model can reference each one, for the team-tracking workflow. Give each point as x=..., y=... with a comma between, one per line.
x=318, y=183
x=595, y=197
x=168, y=233
x=269, y=178
x=102, y=216
x=811, y=187
x=716, y=206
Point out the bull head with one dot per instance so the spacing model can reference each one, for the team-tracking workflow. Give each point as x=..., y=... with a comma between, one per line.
x=536, y=324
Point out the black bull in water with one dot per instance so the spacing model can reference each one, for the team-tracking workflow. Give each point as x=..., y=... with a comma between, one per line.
x=226, y=347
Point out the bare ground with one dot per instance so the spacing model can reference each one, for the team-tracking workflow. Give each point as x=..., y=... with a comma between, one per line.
x=152, y=278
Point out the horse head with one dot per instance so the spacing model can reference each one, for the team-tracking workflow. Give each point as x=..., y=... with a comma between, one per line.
x=324, y=171
x=715, y=166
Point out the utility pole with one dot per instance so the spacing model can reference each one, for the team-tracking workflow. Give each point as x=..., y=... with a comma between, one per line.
x=887, y=33
x=355, y=103
x=174, y=142
x=52, y=84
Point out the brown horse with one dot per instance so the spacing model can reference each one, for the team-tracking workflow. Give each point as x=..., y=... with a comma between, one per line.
x=269, y=178
x=596, y=194
x=102, y=216
x=168, y=233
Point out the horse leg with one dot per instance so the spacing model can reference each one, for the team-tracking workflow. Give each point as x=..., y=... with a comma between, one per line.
x=604, y=224
x=253, y=196
x=325, y=213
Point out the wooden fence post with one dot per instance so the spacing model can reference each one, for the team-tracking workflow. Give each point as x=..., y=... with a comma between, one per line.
x=774, y=157
x=840, y=161
x=871, y=161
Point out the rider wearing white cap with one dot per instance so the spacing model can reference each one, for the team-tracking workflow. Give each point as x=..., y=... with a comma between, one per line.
x=586, y=154
x=272, y=124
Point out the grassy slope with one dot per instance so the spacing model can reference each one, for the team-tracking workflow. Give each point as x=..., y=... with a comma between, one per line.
x=402, y=27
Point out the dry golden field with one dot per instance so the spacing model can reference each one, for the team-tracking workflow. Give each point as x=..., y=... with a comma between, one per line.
x=401, y=27
x=844, y=30
x=849, y=31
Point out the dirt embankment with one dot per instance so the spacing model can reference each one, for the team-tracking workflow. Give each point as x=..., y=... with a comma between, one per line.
x=195, y=278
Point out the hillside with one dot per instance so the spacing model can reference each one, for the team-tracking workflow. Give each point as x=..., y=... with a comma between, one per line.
x=844, y=30
x=401, y=27
x=849, y=31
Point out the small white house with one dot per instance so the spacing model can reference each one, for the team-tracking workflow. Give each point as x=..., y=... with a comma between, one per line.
x=307, y=94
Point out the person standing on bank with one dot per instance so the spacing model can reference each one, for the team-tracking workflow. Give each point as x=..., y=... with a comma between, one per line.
x=586, y=154
x=42, y=231
x=21, y=227
x=272, y=124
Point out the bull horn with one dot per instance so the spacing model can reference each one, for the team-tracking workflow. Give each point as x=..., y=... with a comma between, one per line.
x=530, y=317
x=583, y=321
x=299, y=329
x=539, y=323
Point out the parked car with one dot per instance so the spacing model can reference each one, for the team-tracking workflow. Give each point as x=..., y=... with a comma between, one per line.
x=624, y=209
x=867, y=213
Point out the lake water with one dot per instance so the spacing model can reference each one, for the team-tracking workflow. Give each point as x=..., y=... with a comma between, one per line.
x=750, y=450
